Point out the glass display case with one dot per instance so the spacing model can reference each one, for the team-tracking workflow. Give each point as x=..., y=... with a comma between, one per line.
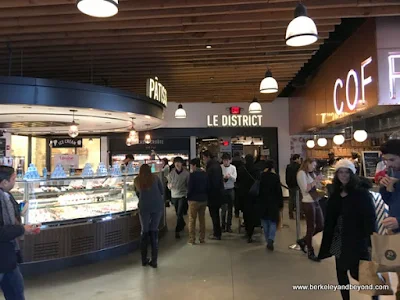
x=56, y=202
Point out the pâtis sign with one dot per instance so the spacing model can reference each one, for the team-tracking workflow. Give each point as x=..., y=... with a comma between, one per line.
x=66, y=143
x=156, y=91
x=234, y=121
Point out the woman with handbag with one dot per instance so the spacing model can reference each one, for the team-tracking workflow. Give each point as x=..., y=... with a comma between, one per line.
x=350, y=221
x=308, y=183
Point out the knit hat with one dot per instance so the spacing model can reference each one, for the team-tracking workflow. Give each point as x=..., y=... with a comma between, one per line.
x=345, y=164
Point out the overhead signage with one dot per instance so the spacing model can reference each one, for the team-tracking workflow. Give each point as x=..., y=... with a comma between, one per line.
x=234, y=120
x=66, y=143
x=352, y=78
x=155, y=90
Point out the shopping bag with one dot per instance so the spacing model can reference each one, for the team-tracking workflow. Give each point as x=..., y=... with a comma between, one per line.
x=386, y=252
x=255, y=189
x=369, y=276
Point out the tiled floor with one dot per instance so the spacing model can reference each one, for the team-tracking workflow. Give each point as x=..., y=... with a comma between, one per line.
x=225, y=270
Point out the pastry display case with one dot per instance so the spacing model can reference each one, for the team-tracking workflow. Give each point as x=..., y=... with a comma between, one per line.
x=55, y=202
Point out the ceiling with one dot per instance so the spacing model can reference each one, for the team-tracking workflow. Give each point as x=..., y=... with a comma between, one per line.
x=168, y=39
x=19, y=119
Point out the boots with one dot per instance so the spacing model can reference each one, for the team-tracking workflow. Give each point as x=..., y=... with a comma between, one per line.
x=144, y=242
x=154, y=249
x=270, y=245
x=302, y=244
x=311, y=255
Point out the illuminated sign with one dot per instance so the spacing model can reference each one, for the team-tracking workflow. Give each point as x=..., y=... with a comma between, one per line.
x=393, y=75
x=156, y=91
x=351, y=76
x=235, y=110
x=234, y=121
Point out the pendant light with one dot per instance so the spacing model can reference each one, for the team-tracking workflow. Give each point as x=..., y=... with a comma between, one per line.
x=268, y=85
x=338, y=139
x=322, y=142
x=147, y=137
x=180, y=113
x=360, y=136
x=255, y=107
x=98, y=8
x=133, y=138
x=73, y=129
x=302, y=30
x=310, y=144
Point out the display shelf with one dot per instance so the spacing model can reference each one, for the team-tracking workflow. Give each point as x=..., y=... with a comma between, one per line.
x=74, y=191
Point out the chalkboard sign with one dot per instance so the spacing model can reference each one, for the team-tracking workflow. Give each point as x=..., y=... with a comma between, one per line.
x=3, y=147
x=370, y=160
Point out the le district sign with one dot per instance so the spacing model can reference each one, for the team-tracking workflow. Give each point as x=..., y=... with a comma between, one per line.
x=234, y=120
x=155, y=90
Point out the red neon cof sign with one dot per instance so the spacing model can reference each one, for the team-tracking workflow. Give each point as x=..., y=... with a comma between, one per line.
x=235, y=110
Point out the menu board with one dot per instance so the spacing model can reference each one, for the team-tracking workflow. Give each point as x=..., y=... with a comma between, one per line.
x=370, y=160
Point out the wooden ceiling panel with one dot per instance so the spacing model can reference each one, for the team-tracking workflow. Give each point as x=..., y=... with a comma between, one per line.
x=168, y=39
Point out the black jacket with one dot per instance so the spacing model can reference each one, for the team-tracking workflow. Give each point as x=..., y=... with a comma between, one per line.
x=358, y=213
x=9, y=258
x=291, y=175
x=215, y=183
x=198, y=187
x=270, y=200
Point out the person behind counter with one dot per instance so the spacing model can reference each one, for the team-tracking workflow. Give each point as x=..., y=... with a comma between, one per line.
x=350, y=221
x=151, y=206
x=308, y=183
x=11, y=280
x=128, y=159
x=178, y=180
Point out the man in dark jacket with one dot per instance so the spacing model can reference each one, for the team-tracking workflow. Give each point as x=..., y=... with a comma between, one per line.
x=291, y=181
x=237, y=161
x=215, y=191
x=11, y=280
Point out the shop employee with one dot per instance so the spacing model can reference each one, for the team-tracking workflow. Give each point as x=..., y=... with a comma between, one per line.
x=230, y=175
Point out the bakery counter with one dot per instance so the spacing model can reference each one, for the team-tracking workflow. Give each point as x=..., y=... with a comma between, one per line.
x=83, y=220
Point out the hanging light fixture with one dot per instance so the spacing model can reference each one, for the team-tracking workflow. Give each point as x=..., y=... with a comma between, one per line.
x=302, y=30
x=147, y=137
x=255, y=107
x=268, y=85
x=360, y=136
x=310, y=144
x=98, y=8
x=180, y=113
x=322, y=142
x=73, y=129
x=133, y=138
x=338, y=139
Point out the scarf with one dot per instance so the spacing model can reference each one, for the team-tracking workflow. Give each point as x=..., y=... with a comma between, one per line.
x=8, y=211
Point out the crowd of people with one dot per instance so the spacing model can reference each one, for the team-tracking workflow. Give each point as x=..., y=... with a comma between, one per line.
x=253, y=187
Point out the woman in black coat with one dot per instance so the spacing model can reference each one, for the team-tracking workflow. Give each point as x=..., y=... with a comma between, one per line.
x=270, y=203
x=245, y=180
x=349, y=223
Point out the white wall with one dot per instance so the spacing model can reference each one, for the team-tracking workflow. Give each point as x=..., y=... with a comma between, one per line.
x=275, y=114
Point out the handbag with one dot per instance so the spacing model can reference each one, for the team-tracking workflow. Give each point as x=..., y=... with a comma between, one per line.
x=255, y=189
x=385, y=252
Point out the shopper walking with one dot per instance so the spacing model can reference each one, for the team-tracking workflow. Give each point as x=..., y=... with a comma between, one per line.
x=349, y=223
x=291, y=180
x=150, y=191
x=11, y=280
x=178, y=180
x=247, y=176
x=197, y=198
x=390, y=190
x=230, y=175
x=237, y=161
x=215, y=192
x=270, y=203
x=308, y=183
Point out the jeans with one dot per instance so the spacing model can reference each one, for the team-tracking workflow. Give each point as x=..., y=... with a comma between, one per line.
x=180, y=208
x=197, y=209
x=269, y=229
x=150, y=221
x=315, y=221
x=292, y=200
x=214, y=213
x=227, y=208
x=12, y=284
